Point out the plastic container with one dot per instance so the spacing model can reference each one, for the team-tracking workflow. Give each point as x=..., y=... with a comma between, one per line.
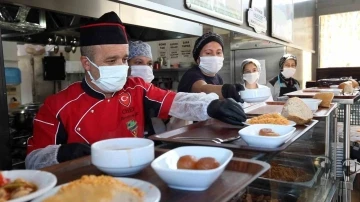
x=12, y=76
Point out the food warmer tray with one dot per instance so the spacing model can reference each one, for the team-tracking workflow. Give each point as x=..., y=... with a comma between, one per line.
x=304, y=163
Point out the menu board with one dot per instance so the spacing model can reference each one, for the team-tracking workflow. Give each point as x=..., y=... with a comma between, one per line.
x=229, y=10
x=282, y=19
x=186, y=48
x=174, y=50
x=162, y=49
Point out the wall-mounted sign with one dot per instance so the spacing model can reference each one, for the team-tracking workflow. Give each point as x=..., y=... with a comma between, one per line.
x=186, y=48
x=229, y=10
x=257, y=19
x=162, y=49
x=282, y=19
x=174, y=50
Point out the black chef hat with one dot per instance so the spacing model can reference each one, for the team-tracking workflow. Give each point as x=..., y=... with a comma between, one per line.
x=286, y=57
x=205, y=39
x=108, y=29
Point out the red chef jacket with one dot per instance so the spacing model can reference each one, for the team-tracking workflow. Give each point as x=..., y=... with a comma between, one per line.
x=82, y=114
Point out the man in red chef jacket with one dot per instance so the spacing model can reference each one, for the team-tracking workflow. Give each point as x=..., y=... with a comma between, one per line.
x=106, y=104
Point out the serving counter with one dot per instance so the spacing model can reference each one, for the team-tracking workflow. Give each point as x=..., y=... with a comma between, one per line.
x=299, y=172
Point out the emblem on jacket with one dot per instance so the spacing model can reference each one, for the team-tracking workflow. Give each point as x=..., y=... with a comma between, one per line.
x=132, y=127
x=125, y=99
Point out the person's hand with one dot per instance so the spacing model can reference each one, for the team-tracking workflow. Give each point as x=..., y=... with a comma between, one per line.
x=227, y=111
x=72, y=151
x=232, y=91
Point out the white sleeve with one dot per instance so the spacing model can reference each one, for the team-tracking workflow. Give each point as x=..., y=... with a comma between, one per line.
x=192, y=106
x=41, y=158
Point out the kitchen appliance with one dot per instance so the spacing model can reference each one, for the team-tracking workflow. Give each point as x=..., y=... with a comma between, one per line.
x=54, y=68
x=21, y=126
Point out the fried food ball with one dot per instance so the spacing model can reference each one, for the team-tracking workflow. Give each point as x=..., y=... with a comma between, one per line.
x=207, y=163
x=186, y=162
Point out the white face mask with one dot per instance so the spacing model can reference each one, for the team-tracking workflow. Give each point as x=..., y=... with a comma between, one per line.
x=251, y=77
x=288, y=72
x=112, y=78
x=143, y=71
x=211, y=65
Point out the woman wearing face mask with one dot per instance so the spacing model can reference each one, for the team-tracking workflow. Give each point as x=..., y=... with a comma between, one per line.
x=140, y=63
x=284, y=82
x=251, y=70
x=208, y=54
x=140, y=60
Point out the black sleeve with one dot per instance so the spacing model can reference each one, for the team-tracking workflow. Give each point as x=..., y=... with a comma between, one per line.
x=188, y=80
x=61, y=135
x=150, y=110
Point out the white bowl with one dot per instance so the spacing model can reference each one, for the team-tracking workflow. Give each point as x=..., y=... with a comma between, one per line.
x=251, y=135
x=313, y=104
x=42, y=179
x=255, y=95
x=122, y=156
x=334, y=86
x=194, y=180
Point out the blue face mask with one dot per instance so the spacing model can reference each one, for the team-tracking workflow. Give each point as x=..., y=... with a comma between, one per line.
x=112, y=78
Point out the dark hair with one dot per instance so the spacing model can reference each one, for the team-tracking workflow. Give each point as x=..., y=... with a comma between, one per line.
x=205, y=39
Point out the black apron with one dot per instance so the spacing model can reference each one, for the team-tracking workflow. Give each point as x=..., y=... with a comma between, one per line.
x=284, y=89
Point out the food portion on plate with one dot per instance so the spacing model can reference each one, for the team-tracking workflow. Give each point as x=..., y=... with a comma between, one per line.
x=296, y=110
x=15, y=189
x=93, y=188
x=272, y=118
x=326, y=99
x=191, y=163
x=268, y=132
x=348, y=87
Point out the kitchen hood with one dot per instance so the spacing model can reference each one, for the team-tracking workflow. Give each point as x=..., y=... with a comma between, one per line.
x=42, y=22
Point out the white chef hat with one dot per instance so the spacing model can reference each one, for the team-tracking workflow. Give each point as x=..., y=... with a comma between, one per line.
x=250, y=60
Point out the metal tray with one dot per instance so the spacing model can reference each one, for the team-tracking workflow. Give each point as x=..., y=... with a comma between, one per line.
x=276, y=107
x=216, y=129
x=299, y=162
x=282, y=196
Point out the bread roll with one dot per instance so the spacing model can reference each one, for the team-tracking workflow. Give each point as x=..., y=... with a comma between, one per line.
x=296, y=110
x=325, y=97
x=348, y=89
x=355, y=84
x=343, y=84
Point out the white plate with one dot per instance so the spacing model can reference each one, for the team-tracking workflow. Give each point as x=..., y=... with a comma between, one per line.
x=291, y=123
x=151, y=192
x=43, y=180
